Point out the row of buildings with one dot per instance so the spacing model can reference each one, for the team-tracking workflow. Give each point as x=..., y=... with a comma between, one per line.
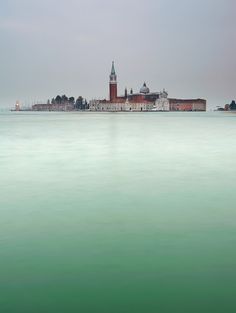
x=144, y=100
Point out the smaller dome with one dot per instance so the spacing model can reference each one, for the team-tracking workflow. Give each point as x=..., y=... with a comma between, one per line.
x=144, y=89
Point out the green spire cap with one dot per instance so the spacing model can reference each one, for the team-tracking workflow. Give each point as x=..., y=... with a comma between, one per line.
x=113, y=72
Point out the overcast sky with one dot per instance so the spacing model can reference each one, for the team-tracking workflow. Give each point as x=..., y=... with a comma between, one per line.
x=51, y=47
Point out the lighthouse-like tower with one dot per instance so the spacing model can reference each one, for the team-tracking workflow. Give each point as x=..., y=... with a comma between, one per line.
x=113, y=83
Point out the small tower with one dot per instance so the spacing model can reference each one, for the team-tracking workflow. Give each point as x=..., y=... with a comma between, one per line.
x=126, y=93
x=17, y=106
x=113, y=83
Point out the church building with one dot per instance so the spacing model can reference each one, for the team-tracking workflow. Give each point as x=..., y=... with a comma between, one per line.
x=144, y=100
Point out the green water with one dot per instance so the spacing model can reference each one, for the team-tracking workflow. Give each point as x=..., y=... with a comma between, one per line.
x=117, y=212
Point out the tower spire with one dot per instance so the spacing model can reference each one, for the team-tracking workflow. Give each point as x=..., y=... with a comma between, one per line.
x=113, y=72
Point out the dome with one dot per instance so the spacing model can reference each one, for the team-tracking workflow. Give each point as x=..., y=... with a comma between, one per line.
x=144, y=89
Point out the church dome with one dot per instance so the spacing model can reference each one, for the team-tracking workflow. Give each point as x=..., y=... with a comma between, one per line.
x=144, y=89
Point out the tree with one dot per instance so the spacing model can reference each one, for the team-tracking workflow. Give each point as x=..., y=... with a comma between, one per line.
x=72, y=100
x=232, y=105
x=53, y=101
x=64, y=99
x=58, y=99
x=79, y=103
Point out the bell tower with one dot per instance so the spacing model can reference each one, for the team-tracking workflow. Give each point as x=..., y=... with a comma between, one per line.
x=113, y=83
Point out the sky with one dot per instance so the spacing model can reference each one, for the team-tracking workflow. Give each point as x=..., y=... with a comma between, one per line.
x=51, y=47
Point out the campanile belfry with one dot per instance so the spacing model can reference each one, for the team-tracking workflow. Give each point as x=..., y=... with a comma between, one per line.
x=113, y=83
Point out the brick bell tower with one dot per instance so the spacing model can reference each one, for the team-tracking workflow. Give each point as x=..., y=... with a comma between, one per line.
x=113, y=83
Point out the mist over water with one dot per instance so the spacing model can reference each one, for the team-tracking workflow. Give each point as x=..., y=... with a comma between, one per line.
x=117, y=212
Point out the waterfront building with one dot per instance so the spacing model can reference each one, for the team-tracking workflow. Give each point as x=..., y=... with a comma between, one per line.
x=187, y=104
x=162, y=103
x=142, y=101
x=53, y=107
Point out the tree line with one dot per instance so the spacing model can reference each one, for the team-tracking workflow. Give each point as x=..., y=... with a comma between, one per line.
x=79, y=104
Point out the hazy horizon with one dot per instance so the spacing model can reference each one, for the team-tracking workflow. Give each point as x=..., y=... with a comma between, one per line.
x=66, y=47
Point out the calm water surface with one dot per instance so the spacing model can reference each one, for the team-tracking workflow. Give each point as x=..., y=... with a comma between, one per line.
x=117, y=212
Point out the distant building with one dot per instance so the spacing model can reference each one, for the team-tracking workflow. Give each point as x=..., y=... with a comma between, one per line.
x=187, y=105
x=144, y=100
x=53, y=107
x=162, y=103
